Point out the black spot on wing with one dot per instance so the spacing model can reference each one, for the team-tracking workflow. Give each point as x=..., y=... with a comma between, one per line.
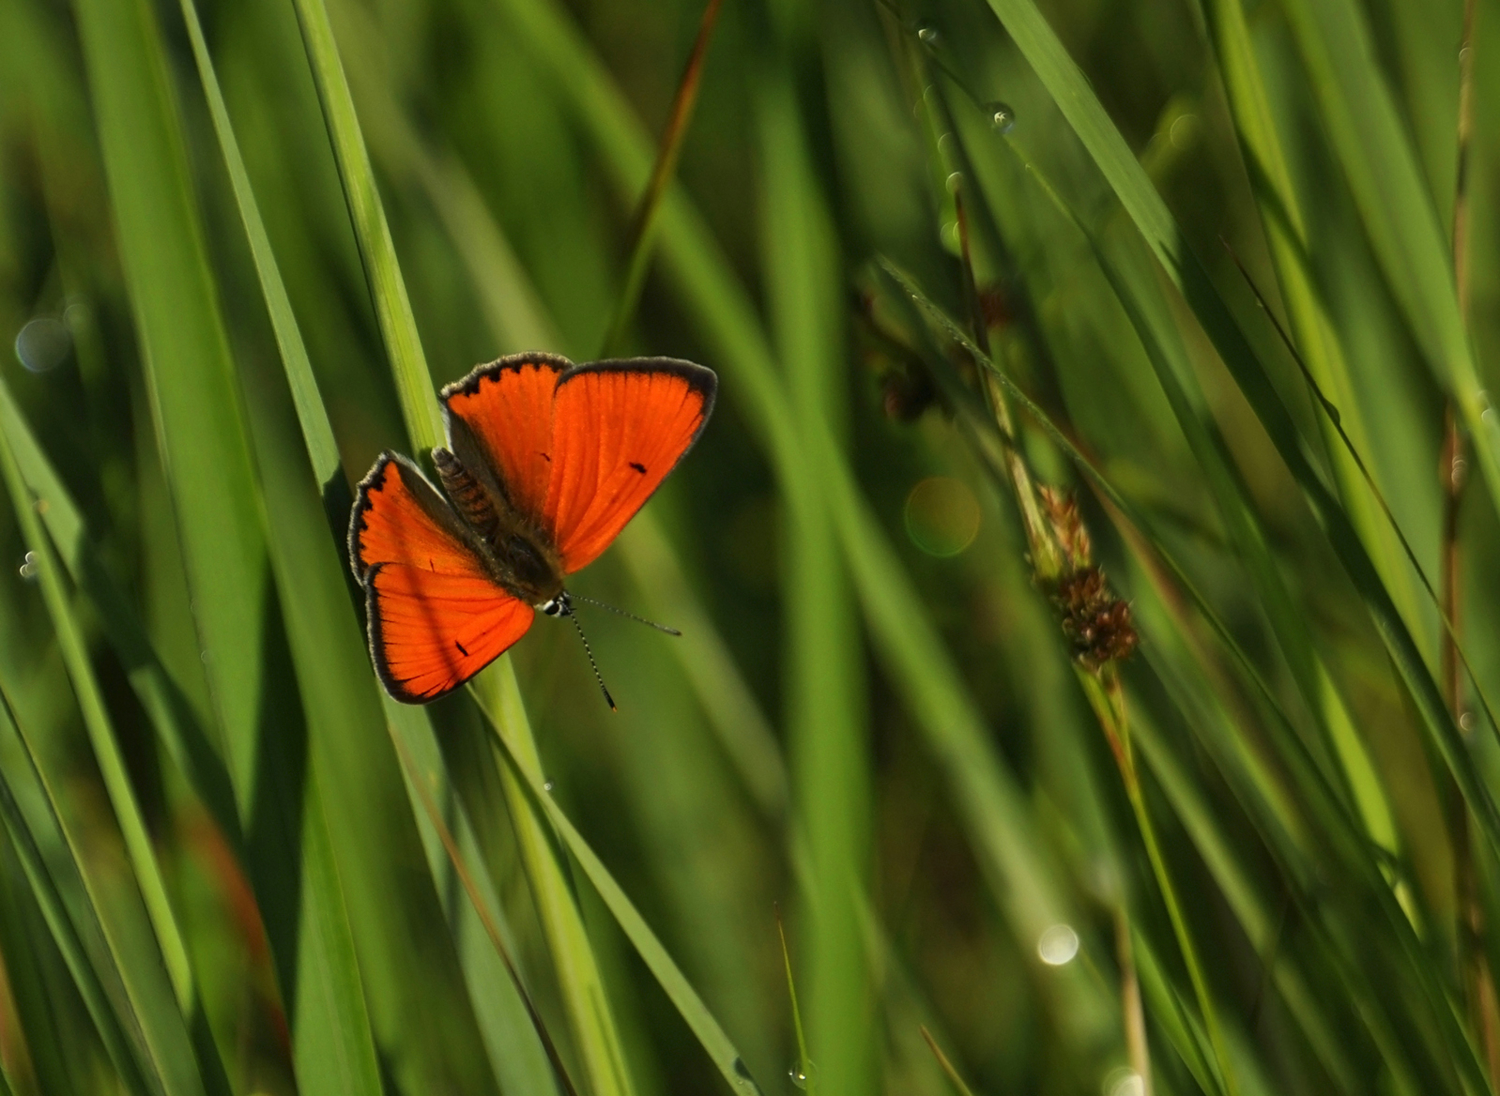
x=461, y=648
x=639, y=467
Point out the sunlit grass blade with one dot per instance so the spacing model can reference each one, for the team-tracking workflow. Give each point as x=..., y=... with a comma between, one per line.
x=948, y=1068
x=423, y=1035
x=216, y=504
x=1285, y=226
x=98, y=986
x=827, y=723
x=643, y=224
x=317, y=432
x=666, y=972
x=171, y=713
x=398, y=327
x=573, y=958
x=804, y=1066
x=101, y=732
x=1399, y=212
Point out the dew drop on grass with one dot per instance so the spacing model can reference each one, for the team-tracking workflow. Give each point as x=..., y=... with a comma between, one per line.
x=1058, y=945
x=28, y=567
x=929, y=35
x=1002, y=117
x=801, y=1074
x=547, y=787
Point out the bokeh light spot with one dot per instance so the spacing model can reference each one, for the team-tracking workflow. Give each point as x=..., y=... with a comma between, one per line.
x=1058, y=945
x=43, y=344
x=942, y=516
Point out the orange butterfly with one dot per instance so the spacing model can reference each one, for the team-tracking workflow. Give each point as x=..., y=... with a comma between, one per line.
x=546, y=462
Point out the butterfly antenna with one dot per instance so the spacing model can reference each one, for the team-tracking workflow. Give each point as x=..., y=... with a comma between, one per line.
x=623, y=613
x=594, y=665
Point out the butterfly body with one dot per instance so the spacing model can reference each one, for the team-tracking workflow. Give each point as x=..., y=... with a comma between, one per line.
x=545, y=463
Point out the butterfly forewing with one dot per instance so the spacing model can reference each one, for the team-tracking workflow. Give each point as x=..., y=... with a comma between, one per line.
x=436, y=616
x=618, y=428
x=507, y=408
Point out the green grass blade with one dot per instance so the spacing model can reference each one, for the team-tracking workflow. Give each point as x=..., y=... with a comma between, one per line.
x=201, y=433
x=317, y=432
x=827, y=724
x=1398, y=210
x=98, y=981
x=171, y=713
x=430, y=1036
x=101, y=734
x=522, y=765
x=398, y=327
x=572, y=954
x=1285, y=227
x=643, y=225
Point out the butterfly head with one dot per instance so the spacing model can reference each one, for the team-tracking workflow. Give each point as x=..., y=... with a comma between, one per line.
x=559, y=606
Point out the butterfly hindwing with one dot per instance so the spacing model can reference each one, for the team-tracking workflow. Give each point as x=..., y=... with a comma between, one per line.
x=436, y=617
x=505, y=409
x=618, y=428
x=431, y=632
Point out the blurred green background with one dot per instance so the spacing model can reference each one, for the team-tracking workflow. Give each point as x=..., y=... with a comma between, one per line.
x=241, y=245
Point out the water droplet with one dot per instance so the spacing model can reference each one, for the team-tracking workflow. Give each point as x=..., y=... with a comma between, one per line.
x=949, y=235
x=803, y=1073
x=954, y=181
x=929, y=35
x=1124, y=1082
x=28, y=567
x=1002, y=117
x=1466, y=721
x=1058, y=945
x=547, y=787
x=43, y=344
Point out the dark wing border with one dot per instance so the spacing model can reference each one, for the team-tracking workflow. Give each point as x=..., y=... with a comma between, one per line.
x=468, y=384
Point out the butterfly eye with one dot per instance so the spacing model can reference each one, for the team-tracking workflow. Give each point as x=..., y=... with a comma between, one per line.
x=558, y=606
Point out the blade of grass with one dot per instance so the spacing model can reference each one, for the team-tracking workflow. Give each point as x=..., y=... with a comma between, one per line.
x=948, y=1069
x=432, y=1035
x=162, y=698
x=827, y=723
x=518, y=319
x=101, y=734
x=804, y=1075
x=162, y=1026
x=572, y=955
x=681, y=993
x=1285, y=228
x=216, y=505
x=398, y=327
x=1395, y=204
x=643, y=224
x=84, y=947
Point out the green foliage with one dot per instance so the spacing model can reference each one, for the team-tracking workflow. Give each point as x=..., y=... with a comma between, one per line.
x=1001, y=246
